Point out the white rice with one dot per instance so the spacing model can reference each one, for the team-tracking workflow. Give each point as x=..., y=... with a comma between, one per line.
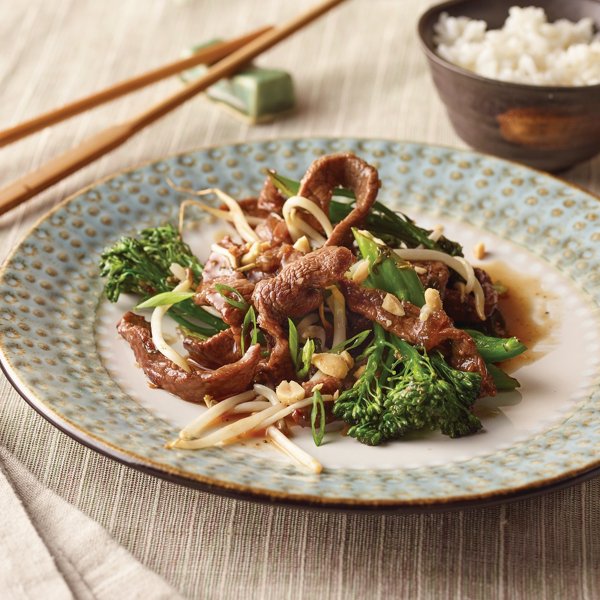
x=527, y=49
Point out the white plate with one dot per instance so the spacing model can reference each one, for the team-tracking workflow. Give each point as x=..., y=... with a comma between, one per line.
x=60, y=347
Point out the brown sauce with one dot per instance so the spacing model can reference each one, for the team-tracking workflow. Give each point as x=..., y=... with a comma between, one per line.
x=526, y=309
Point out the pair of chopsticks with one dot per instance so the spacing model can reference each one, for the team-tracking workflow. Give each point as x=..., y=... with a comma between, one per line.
x=230, y=56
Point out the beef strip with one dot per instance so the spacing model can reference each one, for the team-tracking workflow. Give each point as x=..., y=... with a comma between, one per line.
x=270, y=199
x=271, y=260
x=235, y=248
x=217, y=267
x=432, y=333
x=436, y=275
x=219, y=270
x=207, y=294
x=329, y=385
x=494, y=325
x=462, y=310
x=193, y=386
x=368, y=303
x=218, y=350
x=294, y=292
x=356, y=323
x=251, y=207
x=345, y=170
x=273, y=229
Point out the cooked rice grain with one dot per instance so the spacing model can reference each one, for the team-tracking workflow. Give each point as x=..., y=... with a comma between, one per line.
x=526, y=50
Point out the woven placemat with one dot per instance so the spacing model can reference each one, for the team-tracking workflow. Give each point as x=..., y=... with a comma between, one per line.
x=358, y=71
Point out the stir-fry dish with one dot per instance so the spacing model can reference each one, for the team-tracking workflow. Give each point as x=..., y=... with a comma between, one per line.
x=324, y=307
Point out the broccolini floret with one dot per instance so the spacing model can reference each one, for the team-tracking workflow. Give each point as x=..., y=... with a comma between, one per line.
x=362, y=405
x=403, y=389
x=428, y=393
x=141, y=266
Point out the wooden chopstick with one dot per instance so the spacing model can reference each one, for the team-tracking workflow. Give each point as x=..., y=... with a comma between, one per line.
x=208, y=55
x=99, y=144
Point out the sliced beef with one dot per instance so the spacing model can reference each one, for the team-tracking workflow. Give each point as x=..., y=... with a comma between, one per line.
x=435, y=332
x=345, y=170
x=217, y=267
x=356, y=323
x=462, y=310
x=495, y=325
x=163, y=373
x=330, y=385
x=436, y=275
x=270, y=199
x=368, y=302
x=271, y=260
x=294, y=292
x=273, y=229
x=298, y=288
x=235, y=248
x=465, y=357
x=218, y=350
x=251, y=207
x=207, y=294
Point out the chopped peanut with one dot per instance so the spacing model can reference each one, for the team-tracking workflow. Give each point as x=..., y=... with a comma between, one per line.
x=393, y=305
x=479, y=251
x=361, y=271
x=289, y=392
x=348, y=358
x=433, y=299
x=359, y=371
x=433, y=302
x=330, y=364
x=302, y=244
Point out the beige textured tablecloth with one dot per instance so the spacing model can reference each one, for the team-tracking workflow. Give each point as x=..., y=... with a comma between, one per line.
x=358, y=71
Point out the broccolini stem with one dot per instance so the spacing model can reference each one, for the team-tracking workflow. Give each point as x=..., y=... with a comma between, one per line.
x=189, y=309
x=412, y=358
x=204, y=333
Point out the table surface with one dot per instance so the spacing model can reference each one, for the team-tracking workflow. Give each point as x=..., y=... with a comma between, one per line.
x=358, y=72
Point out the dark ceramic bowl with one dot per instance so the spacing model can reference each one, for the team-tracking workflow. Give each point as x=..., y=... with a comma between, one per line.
x=549, y=128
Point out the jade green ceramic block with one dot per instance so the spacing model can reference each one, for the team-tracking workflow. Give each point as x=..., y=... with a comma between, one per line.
x=255, y=93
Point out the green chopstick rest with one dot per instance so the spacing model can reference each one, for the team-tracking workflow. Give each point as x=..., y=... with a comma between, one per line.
x=255, y=94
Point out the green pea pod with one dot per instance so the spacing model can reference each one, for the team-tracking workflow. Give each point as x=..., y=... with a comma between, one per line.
x=494, y=349
x=387, y=273
x=502, y=381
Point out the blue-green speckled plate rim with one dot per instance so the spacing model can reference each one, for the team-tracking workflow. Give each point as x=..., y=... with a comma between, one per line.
x=447, y=167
